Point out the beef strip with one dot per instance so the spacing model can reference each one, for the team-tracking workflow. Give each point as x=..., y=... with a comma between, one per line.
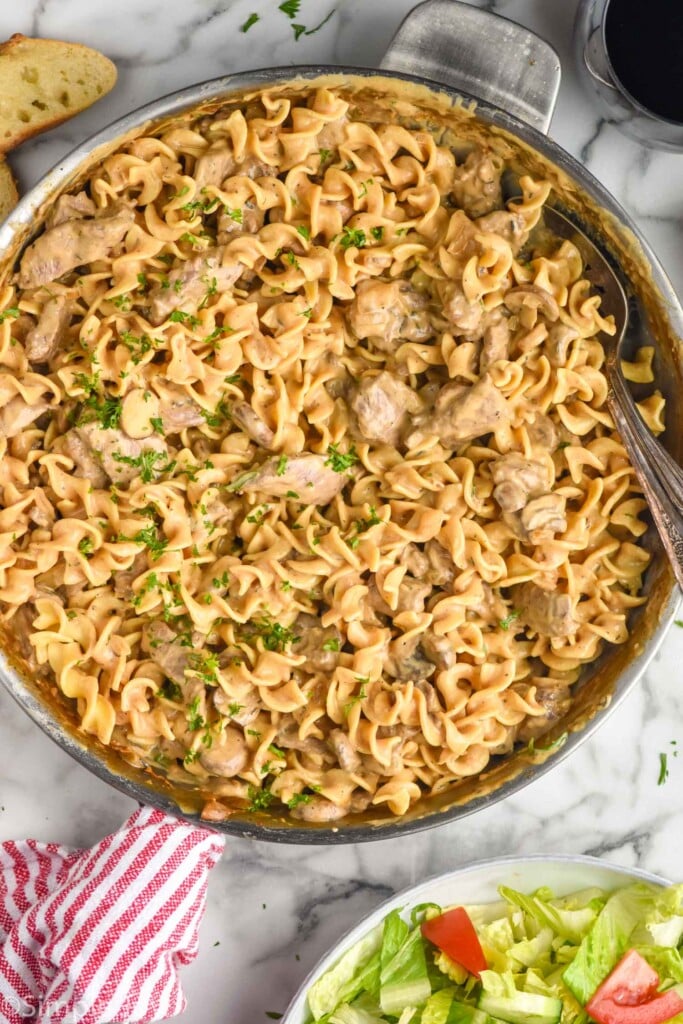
x=161, y=643
x=251, y=423
x=179, y=411
x=306, y=475
x=388, y=311
x=97, y=452
x=476, y=183
x=345, y=752
x=249, y=220
x=17, y=415
x=517, y=479
x=125, y=578
x=189, y=282
x=556, y=701
x=462, y=413
x=70, y=208
x=43, y=340
x=507, y=223
x=72, y=243
x=381, y=404
x=218, y=163
x=495, y=345
x=545, y=611
x=313, y=638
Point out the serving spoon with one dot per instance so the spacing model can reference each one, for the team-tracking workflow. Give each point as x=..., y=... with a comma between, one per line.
x=660, y=476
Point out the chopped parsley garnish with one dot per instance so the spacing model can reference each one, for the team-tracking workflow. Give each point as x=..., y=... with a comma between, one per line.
x=123, y=303
x=308, y=313
x=276, y=752
x=187, y=236
x=285, y=585
x=170, y=690
x=274, y=636
x=331, y=644
x=86, y=545
x=299, y=798
x=13, y=311
x=509, y=619
x=361, y=525
x=151, y=583
x=205, y=665
x=179, y=316
x=235, y=215
x=238, y=483
x=304, y=231
x=324, y=155
x=377, y=233
x=105, y=409
x=260, y=799
x=142, y=281
x=216, y=334
x=259, y=514
x=361, y=695
x=137, y=346
x=679, y=623
x=90, y=385
x=533, y=748
x=222, y=581
x=663, y=769
x=195, y=721
x=562, y=445
x=161, y=760
x=340, y=462
x=234, y=708
x=191, y=756
x=281, y=465
x=290, y=258
x=146, y=462
x=157, y=424
x=251, y=20
x=201, y=205
x=292, y=494
x=290, y=8
x=352, y=237
x=151, y=539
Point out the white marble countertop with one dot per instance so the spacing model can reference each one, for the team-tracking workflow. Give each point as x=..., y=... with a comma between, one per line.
x=273, y=910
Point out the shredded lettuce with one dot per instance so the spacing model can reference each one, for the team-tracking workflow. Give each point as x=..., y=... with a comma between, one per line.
x=346, y=979
x=608, y=939
x=542, y=952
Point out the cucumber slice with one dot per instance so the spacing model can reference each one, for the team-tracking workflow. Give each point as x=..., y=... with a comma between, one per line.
x=522, y=1008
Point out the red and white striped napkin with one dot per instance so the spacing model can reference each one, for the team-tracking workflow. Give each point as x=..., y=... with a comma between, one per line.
x=95, y=936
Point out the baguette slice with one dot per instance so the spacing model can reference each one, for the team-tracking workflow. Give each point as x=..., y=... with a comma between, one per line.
x=9, y=197
x=43, y=82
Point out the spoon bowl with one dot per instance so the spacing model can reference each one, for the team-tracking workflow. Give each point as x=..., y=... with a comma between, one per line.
x=660, y=476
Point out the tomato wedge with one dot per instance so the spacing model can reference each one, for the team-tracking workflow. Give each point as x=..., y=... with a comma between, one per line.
x=454, y=934
x=629, y=995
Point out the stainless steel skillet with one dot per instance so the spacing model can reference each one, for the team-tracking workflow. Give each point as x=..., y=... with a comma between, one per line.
x=449, y=64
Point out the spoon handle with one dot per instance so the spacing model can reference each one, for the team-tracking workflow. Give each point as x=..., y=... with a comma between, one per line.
x=667, y=469
x=666, y=514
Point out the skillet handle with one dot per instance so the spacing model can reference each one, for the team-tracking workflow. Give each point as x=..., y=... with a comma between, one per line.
x=482, y=55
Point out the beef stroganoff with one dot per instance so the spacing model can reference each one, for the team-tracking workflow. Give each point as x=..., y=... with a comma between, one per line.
x=309, y=486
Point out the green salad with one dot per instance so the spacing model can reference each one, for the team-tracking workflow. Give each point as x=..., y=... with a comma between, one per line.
x=613, y=957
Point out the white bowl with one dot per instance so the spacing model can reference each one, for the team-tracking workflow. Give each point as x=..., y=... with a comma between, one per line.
x=479, y=883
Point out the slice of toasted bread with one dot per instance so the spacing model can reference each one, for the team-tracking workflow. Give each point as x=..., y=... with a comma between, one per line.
x=9, y=197
x=43, y=82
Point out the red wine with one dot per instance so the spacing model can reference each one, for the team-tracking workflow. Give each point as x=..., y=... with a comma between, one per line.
x=644, y=42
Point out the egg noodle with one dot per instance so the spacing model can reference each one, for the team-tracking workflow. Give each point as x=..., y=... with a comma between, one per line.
x=309, y=487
